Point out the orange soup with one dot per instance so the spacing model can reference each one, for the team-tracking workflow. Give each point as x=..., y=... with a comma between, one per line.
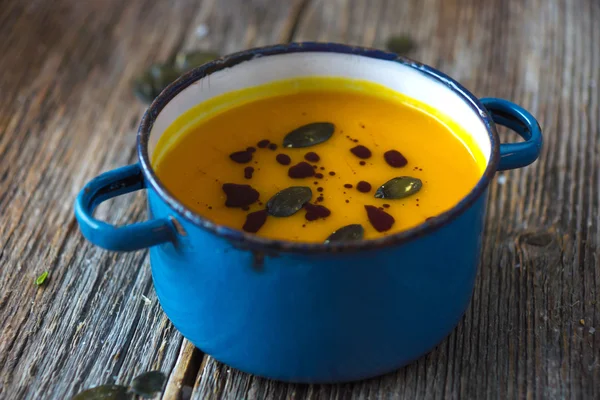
x=299, y=160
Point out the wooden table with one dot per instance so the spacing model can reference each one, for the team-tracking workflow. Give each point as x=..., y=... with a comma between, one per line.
x=67, y=113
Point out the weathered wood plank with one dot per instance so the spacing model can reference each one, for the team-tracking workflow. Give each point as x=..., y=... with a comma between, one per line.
x=66, y=114
x=183, y=375
x=522, y=336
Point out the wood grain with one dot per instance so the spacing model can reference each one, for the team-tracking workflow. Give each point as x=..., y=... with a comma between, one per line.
x=67, y=113
x=522, y=336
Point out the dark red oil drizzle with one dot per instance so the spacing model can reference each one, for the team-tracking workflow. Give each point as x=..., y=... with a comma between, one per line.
x=312, y=156
x=239, y=195
x=361, y=151
x=263, y=143
x=319, y=175
x=283, y=159
x=380, y=220
x=315, y=211
x=386, y=206
x=348, y=186
x=362, y=163
x=301, y=170
x=395, y=159
x=363, y=186
x=331, y=173
x=241, y=157
x=248, y=171
x=319, y=189
x=251, y=149
x=272, y=146
x=255, y=221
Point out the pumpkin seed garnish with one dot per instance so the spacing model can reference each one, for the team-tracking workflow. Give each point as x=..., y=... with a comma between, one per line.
x=347, y=233
x=143, y=87
x=105, y=392
x=289, y=201
x=400, y=44
x=398, y=188
x=149, y=85
x=148, y=384
x=42, y=278
x=158, y=76
x=185, y=61
x=163, y=75
x=309, y=135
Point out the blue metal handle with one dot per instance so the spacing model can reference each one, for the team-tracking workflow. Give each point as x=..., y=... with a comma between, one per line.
x=126, y=238
x=516, y=155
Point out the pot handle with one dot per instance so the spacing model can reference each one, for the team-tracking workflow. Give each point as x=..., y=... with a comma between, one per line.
x=124, y=238
x=515, y=155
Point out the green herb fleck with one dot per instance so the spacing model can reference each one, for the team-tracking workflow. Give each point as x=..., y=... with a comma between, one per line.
x=400, y=44
x=42, y=278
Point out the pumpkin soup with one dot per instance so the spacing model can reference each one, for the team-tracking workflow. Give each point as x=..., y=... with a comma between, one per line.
x=317, y=160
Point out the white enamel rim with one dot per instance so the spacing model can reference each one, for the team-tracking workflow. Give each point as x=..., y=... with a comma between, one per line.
x=264, y=65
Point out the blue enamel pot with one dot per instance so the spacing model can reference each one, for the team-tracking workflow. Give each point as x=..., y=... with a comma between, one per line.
x=307, y=312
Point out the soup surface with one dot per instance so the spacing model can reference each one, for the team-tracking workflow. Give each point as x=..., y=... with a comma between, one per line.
x=225, y=159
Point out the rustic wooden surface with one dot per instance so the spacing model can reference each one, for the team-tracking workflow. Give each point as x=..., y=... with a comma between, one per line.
x=67, y=113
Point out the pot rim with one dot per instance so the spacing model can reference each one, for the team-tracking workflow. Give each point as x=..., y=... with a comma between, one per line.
x=258, y=243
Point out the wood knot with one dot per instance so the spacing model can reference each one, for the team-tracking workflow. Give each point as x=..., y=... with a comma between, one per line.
x=536, y=239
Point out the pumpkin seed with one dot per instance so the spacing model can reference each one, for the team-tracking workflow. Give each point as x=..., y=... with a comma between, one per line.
x=163, y=75
x=398, y=188
x=309, y=135
x=148, y=384
x=185, y=61
x=157, y=77
x=400, y=44
x=143, y=87
x=149, y=85
x=105, y=392
x=347, y=233
x=289, y=201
